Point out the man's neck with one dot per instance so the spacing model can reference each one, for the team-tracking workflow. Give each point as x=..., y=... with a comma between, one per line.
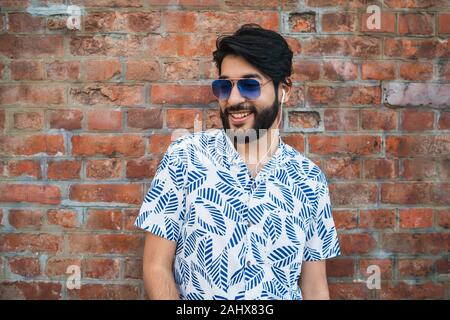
x=258, y=152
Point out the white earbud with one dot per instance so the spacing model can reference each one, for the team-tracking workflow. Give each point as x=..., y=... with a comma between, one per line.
x=282, y=97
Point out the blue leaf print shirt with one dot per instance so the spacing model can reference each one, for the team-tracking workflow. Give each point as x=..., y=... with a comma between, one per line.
x=238, y=237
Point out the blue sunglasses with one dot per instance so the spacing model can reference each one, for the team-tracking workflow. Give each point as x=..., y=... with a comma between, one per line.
x=248, y=88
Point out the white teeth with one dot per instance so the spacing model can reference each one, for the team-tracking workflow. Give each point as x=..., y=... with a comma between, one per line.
x=240, y=115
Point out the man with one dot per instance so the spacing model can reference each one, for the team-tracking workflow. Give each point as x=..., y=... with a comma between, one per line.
x=236, y=213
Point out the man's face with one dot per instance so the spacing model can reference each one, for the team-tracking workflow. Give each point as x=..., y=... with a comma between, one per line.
x=262, y=112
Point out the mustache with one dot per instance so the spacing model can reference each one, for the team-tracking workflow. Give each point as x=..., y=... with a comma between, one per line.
x=239, y=108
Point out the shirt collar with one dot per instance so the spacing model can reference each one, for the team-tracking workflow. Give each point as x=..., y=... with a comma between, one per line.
x=280, y=157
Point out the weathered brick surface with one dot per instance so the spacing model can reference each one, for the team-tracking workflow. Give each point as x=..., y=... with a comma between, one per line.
x=86, y=115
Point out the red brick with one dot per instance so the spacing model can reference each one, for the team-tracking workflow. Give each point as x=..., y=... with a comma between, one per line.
x=183, y=118
x=377, y=219
x=14, y=4
x=30, y=290
x=89, y=145
x=25, y=94
x=69, y=119
x=302, y=22
x=64, y=170
x=443, y=168
x=27, y=168
x=62, y=217
x=295, y=140
x=142, y=70
x=415, y=193
x=419, y=71
x=306, y=71
x=36, y=46
x=105, y=292
x=24, y=266
x=101, y=268
x=2, y=119
x=133, y=268
x=357, y=46
x=341, y=119
x=58, y=266
x=104, y=219
x=56, y=23
x=419, y=169
x=109, y=3
x=443, y=218
x=387, y=22
x=340, y=267
x=188, y=70
x=402, y=290
x=341, y=167
x=158, y=143
x=414, y=4
x=344, y=219
x=101, y=70
x=41, y=194
x=358, y=243
x=130, y=216
x=26, y=70
x=415, y=48
x=182, y=45
x=378, y=70
x=416, y=218
x=24, y=22
x=338, y=22
x=181, y=94
x=105, y=243
x=121, y=193
x=20, y=218
x=444, y=120
x=385, y=266
x=358, y=145
x=29, y=120
x=415, y=23
x=415, y=243
x=380, y=169
x=112, y=45
x=141, y=168
x=104, y=169
x=353, y=194
x=417, y=120
x=340, y=70
x=304, y=119
x=104, y=120
x=63, y=70
x=415, y=267
x=148, y=118
x=348, y=291
x=35, y=243
x=108, y=94
x=444, y=23
x=443, y=69
x=415, y=146
x=382, y=119
x=119, y=22
x=340, y=96
x=442, y=266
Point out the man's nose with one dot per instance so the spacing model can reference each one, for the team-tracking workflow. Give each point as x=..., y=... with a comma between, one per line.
x=235, y=97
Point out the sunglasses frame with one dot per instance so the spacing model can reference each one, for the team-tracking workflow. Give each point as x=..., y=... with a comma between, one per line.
x=234, y=82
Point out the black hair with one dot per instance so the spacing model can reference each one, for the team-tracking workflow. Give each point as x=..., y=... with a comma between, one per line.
x=265, y=49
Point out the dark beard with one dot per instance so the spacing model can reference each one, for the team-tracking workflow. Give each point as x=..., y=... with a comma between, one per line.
x=263, y=119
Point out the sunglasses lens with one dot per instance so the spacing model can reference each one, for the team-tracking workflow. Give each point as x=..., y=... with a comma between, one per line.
x=249, y=88
x=222, y=88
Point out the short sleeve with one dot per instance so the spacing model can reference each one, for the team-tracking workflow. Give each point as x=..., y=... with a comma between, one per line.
x=322, y=241
x=163, y=209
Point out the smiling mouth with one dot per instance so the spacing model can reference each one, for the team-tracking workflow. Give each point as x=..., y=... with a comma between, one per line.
x=240, y=115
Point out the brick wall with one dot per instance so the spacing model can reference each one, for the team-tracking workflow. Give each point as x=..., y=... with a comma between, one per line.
x=85, y=116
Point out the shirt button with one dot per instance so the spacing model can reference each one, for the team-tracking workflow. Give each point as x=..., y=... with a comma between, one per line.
x=249, y=224
x=249, y=263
